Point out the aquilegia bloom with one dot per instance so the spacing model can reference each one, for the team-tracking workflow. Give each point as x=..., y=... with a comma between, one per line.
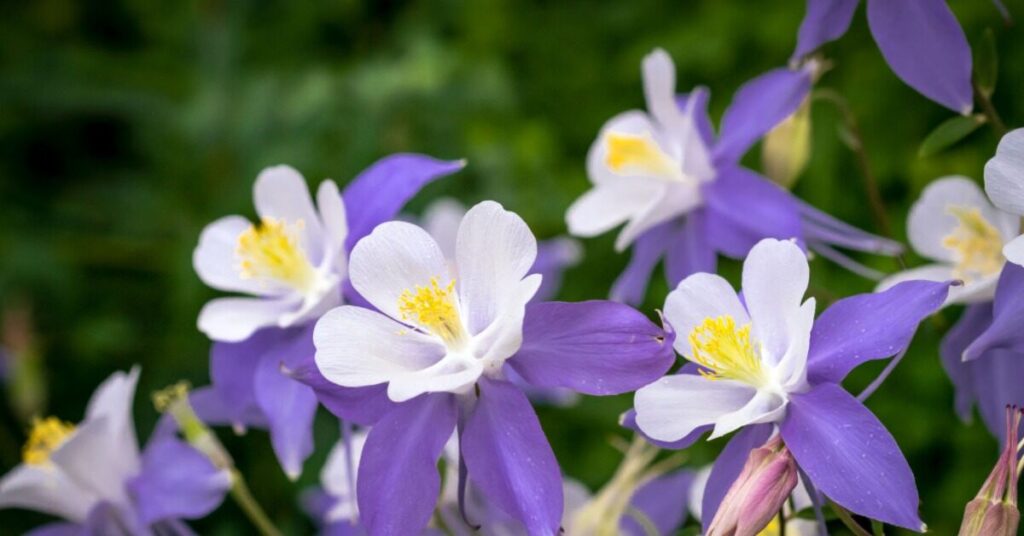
x=93, y=476
x=682, y=193
x=920, y=39
x=440, y=340
x=764, y=361
x=294, y=263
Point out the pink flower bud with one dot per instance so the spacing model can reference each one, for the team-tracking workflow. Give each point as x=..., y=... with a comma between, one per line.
x=993, y=511
x=757, y=495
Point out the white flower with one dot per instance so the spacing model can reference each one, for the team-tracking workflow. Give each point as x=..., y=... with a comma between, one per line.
x=1004, y=183
x=338, y=482
x=955, y=225
x=67, y=469
x=646, y=167
x=441, y=325
x=292, y=260
x=751, y=357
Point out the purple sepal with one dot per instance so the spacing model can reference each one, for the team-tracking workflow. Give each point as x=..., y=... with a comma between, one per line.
x=689, y=250
x=176, y=481
x=628, y=421
x=1007, y=316
x=663, y=500
x=398, y=483
x=554, y=256
x=103, y=520
x=821, y=227
x=869, y=326
x=850, y=456
x=700, y=107
x=742, y=208
x=509, y=458
x=728, y=467
x=826, y=20
x=290, y=407
x=359, y=405
x=631, y=285
x=973, y=322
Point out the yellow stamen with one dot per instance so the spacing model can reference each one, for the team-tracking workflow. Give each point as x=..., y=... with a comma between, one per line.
x=46, y=435
x=773, y=528
x=272, y=251
x=726, y=352
x=631, y=154
x=433, y=307
x=978, y=246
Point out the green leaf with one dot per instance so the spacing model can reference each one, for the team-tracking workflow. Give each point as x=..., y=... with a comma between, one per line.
x=950, y=132
x=986, y=63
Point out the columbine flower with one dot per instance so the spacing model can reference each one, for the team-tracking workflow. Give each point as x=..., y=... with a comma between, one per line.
x=93, y=476
x=955, y=225
x=333, y=505
x=294, y=260
x=682, y=193
x=443, y=336
x=993, y=511
x=921, y=40
x=764, y=362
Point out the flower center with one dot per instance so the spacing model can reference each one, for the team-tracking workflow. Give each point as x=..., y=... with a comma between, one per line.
x=725, y=351
x=628, y=154
x=46, y=435
x=433, y=307
x=271, y=251
x=978, y=246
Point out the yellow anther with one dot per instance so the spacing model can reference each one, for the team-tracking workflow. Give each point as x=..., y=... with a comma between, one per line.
x=773, y=528
x=433, y=307
x=978, y=246
x=272, y=251
x=165, y=398
x=640, y=155
x=725, y=351
x=44, y=438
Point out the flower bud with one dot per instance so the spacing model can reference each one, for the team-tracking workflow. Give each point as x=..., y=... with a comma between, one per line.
x=787, y=147
x=757, y=495
x=993, y=511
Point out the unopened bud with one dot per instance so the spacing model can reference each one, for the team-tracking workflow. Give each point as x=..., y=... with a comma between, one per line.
x=787, y=147
x=757, y=495
x=993, y=511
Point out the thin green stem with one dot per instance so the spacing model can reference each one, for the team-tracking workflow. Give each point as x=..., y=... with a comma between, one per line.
x=650, y=529
x=245, y=500
x=877, y=527
x=990, y=112
x=848, y=520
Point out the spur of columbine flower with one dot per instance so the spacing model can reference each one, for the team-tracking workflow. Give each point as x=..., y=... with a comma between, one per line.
x=93, y=476
x=440, y=340
x=682, y=193
x=294, y=263
x=921, y=41
x=765, y=362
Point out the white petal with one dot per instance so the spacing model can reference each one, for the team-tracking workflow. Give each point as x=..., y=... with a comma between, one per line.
x=792, y=368
x=674, y=199
x=697, y=298
x=214, y=258
x=441, y=219
x=634, y=122
x=113, y=401
x=504, y=336
x=976, y=291
x=281, y=193
x=930, y=221
x=775, y=276
x=450, y=375
x=672, y=407
x=235, y=319
x=90, y=459
x=659, y=74
x=493, y=253
x=1004, y=174
x=605, y=207
x=695, y=498
x=1014, y=251
x=337, y=481
x=763, y=407
x=46, y=490
x=395, y=257
x=332, y=212
x=356, y=347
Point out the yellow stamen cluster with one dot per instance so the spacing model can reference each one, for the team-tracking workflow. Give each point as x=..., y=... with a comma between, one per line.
x=433, y=307
x=272, y=251
x=46, y=435
x=627, y=153
x=725, y=351
x=977, y=244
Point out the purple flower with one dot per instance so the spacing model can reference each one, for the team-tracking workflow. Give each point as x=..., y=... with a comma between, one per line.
x=93, y=475
x=294, y=262
x=920, y=39
x=765, y=361
x=440, y=340
x=682, y=193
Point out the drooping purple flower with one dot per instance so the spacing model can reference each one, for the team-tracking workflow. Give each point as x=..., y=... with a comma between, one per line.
x=295, y=263
x=440, y=340
x=93, y=475
x=681, y=191
x=920, y=39
x=765, y=362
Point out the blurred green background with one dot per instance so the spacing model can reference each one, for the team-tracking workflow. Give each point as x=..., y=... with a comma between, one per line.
x=127, y=125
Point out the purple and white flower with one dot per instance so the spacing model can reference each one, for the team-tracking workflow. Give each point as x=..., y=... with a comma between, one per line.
x=440, y=340
x=920, y=39
x=681, y=191
x=93, y=476
x=764, y=362
x=1004, y=183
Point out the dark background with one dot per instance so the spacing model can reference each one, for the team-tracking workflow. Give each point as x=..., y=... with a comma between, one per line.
x=127, y=125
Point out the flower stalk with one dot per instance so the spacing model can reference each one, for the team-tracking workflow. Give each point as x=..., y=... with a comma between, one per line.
x=993, y=511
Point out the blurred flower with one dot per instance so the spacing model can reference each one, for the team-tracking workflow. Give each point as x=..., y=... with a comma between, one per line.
x=22, y=368
x=993, y=511
x=921, y=41
x=787, y=147
x=757, y=496
x=93, y=475
x=440, y=346
x=683, y=194
x=333, y=505
x=1004, y=183
x=295, y=261
x=765, y=360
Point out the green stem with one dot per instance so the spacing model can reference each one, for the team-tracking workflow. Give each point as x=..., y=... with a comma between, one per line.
x=245, y=500
x=990, y=112
x=650, y=529
x=877, y=527
x=848, y=520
